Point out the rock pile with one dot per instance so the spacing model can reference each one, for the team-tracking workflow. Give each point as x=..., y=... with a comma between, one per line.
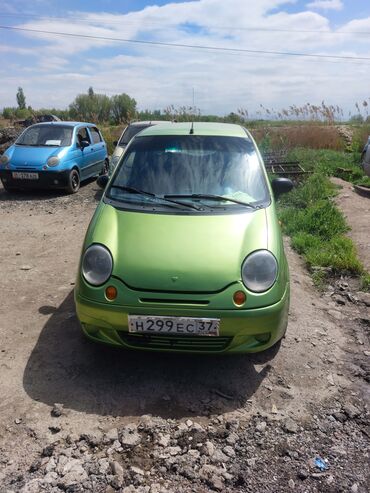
x=159, y=455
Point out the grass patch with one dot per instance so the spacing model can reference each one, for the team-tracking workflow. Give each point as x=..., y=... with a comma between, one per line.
x=318, y=228
x=331, y=163
x=365, y=282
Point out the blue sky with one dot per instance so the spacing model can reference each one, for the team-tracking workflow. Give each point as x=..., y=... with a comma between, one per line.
x=53, y=69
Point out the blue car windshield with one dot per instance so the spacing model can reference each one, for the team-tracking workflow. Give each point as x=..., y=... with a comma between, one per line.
x=46, y=135
x=188, y=166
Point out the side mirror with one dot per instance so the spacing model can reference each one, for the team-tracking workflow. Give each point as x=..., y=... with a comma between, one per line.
x=102, y=181
x=115, y=142
x=83, y=143
x=281, y=185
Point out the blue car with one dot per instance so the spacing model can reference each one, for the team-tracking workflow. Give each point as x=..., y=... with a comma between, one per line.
x=54, y=155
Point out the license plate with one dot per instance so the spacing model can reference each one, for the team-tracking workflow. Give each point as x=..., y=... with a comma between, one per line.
x=25, y=176
x=173, y=325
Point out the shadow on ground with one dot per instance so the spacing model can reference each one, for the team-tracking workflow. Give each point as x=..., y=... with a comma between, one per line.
x=64, y=367
x=40, y=194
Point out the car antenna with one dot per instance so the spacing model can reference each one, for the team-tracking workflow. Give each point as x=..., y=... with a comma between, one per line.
x=192, y=122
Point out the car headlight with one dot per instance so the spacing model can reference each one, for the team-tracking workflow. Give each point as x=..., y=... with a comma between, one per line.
x=52, y=161
x=4, y=159
x=97, y=265
x=259, y=271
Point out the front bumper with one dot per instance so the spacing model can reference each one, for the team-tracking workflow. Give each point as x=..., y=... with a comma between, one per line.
x=241, y=331
x=46, y=178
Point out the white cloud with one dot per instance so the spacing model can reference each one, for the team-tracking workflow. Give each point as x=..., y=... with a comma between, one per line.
x=326, y=4
x=159, y=76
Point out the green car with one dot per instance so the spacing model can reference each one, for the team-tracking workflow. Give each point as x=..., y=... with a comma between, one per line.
x=184, y=251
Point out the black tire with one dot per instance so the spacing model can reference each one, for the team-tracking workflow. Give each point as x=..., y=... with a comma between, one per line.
x=73, y=181
x=105, y=169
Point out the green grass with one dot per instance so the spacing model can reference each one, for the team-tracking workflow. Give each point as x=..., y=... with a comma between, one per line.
x=318, y=228
x=332, y=163
x=365, y=282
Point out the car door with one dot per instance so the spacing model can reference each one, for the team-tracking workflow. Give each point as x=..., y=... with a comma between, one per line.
x=86, y=160
x=98, y=150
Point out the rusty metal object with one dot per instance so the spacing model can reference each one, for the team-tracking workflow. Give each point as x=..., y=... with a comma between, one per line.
x=277, y=163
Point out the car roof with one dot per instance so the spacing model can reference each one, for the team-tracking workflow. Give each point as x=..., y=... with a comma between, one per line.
x=66, y=123
x=199, y=128
x=146, y=122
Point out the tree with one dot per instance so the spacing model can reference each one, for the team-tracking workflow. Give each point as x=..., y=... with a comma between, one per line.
x=21, y=99
x=9, y=113
x=123, y=108
x=91, y=107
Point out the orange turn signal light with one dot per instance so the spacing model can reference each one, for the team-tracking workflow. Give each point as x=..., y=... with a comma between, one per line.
x=111, y=293
x=239, y=298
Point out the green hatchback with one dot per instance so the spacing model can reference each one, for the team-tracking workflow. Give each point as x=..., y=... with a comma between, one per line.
x=184, y=251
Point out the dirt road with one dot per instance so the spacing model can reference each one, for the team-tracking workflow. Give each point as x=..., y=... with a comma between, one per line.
x=246, y=423
x=356, y=209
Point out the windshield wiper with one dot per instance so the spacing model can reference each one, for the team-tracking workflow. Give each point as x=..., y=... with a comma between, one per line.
x=154, y=196
x=219, y=198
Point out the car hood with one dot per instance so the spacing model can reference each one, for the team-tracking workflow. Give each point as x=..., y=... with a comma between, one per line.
x=174, y=252
x=31, y=156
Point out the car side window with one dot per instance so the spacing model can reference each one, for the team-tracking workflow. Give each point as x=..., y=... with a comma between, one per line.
x=95, y=135
x=83, y=134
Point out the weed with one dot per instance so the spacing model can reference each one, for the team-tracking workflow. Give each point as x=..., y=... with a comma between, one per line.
x=318, y=228
x=322, y=220
x=320, y=279
x=365, y=282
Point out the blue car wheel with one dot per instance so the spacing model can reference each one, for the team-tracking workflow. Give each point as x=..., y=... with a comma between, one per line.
x=73, y=181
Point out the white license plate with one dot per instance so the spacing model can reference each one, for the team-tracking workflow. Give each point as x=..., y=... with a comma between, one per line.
x=19, y=175
x=173, y=325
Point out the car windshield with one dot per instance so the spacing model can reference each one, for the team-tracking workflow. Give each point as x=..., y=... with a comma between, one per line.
x=46, y=135
x=131, y=131
x=206, y=170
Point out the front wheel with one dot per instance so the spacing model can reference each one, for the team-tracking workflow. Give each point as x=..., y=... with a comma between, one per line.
x=73, y=181
x=105, y=169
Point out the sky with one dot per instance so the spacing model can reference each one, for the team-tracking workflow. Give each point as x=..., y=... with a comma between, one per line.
x=226, y=64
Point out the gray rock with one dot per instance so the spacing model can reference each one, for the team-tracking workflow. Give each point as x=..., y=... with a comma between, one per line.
x=57, y=410
x=218, y=457
x=51, y=478
x=209, y=448
x=116, y=468
x=93, y=439
x=212, y=476
x=229, y=451
x=290, y=426
x=137, y=470
x=73, y=473
x=51, y=465
x=163, y=439
x=104, y=466
x=232, y=438
x=129, y=436
x=303, y=474
x=110, y=436
x=351, y=410
x=261, y=426
x=363, y=297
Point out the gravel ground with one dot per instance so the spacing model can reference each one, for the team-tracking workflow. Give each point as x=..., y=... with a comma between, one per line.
x=78, y=417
